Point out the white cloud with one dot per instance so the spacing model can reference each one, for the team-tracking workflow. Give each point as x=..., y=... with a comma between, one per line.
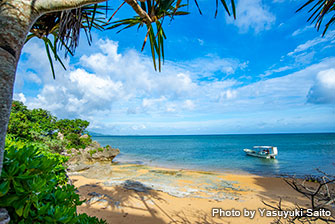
x=302, y=30
x=19, y=97
x=201, y=42
x=33, y=77
x=189, y=105
x=323, y=90
x=138, y=127
x=311, y=43
x=149, y=103
x=210, y=64
x=122, y=98
x=276, y=70
x=252, y=14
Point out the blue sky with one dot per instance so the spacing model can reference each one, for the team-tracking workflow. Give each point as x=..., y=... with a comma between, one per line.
x=269, y=71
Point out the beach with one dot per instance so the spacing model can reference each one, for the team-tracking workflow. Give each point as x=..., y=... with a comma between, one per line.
x=132, y=193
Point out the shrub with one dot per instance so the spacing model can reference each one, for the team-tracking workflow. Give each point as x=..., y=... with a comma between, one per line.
x=33, y=187
x=92, y=151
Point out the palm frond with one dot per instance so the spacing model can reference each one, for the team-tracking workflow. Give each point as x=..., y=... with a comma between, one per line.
x=320, y=10
x=158, y=10
x=64, y=28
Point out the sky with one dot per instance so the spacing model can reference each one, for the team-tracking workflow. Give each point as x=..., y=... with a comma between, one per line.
x=268, y=71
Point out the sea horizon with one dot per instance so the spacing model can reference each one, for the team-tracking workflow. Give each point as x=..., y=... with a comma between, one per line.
x=149, y=135
x=299, y=154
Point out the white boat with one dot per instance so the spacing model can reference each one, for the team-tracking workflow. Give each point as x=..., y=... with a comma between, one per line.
x=266, y=152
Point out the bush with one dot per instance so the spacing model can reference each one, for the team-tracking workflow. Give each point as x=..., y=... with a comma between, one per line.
x=33, y=187
x=38, y=125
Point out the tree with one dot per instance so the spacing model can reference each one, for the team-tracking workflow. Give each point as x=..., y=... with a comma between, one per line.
x=39, y=18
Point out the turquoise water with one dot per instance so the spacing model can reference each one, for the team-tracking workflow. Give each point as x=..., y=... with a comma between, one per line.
x=299, y=154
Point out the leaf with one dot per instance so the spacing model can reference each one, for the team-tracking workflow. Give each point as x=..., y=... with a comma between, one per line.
x=50, y=59
x=19, y=210
x=27, y=209
x=29, y=37
x=4, y=188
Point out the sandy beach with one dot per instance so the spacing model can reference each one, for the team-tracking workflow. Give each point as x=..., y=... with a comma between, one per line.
x=139, y=194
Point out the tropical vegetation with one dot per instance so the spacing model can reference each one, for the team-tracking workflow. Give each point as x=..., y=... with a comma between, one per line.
x=33, y=184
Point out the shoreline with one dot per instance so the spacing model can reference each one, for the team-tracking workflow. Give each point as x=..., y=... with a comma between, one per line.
x=180, y=167
x=145, y=194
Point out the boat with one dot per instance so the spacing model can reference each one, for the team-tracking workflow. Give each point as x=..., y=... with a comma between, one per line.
x=266, y=152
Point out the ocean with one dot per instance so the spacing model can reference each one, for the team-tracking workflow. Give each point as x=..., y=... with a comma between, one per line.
x=298, y=154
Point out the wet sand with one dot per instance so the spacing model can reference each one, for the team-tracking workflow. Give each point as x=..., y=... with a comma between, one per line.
x=141, y=194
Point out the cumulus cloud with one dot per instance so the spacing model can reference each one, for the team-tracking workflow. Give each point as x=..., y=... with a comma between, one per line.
x=323, y=90
x=110, y=81
x=19, y=97
x=252, y=15
x=120, y=93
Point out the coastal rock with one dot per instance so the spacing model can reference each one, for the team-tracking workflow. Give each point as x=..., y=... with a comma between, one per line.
x=108, y=154
x=99, y=170
x=78, y=167
x=80, y=159
x=95, y=145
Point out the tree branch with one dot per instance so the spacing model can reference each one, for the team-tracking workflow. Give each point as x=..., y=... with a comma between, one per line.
x=46, y=6
x=137, y=8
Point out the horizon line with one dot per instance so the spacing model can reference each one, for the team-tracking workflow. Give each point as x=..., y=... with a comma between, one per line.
x=149, y=135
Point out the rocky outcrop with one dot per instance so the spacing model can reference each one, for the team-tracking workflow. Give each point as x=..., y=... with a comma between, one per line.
x=107, y=154
x=81, y=159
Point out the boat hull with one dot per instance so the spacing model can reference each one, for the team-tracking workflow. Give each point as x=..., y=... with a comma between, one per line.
x=250, y=152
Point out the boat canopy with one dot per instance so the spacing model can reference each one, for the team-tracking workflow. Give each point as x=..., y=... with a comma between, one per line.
x=263, y=147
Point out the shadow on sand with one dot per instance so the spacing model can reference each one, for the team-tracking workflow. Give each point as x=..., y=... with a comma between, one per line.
x=113, y=203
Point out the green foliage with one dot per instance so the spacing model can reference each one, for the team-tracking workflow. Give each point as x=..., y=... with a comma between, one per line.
x=30, y=125
x=39, y=125
x=92, y=151
x=85, y=141
x=33, y=186
x=77, y=126
x=74, y=141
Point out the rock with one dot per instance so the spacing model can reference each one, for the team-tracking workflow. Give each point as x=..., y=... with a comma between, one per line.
x=105, y=155
x=78, y=167
x=83, y=159
x=84, y=136
x=60, y=136
x=4, y=217
x=94, y=145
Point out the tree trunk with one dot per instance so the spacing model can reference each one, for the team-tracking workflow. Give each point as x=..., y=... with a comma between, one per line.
x=16, y=18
